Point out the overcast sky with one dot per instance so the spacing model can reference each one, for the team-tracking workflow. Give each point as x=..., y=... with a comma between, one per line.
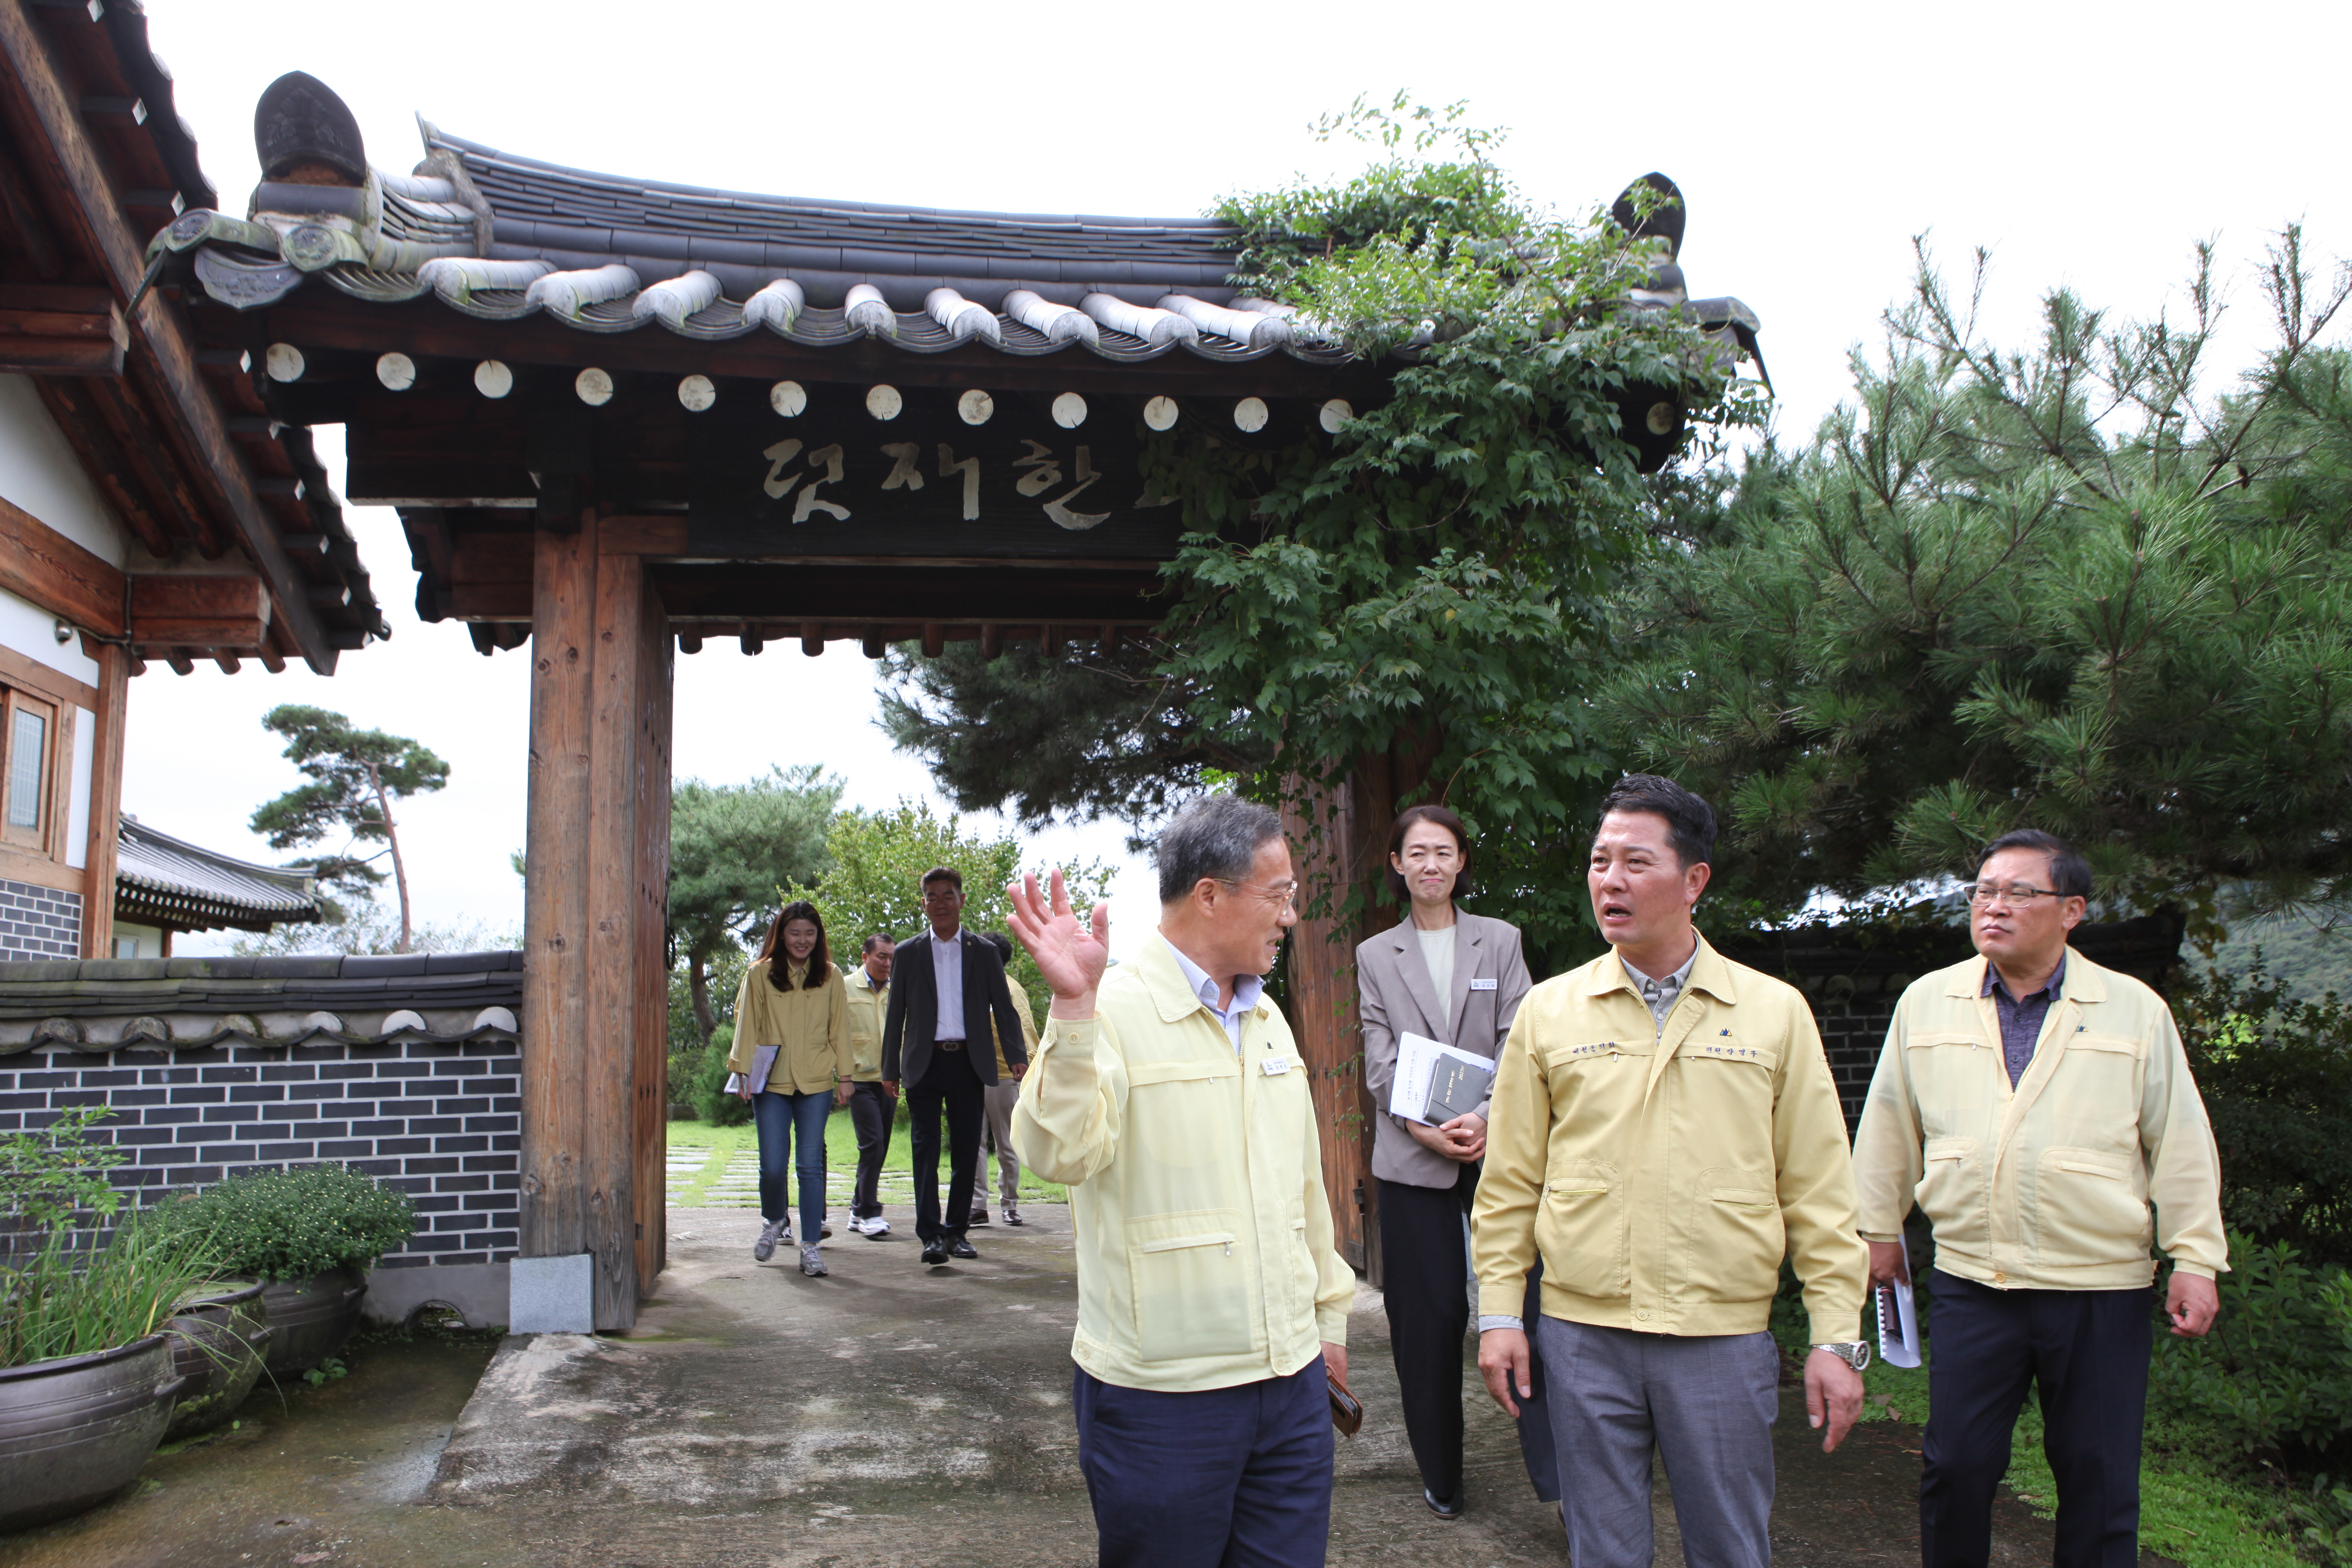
x=2086, y=144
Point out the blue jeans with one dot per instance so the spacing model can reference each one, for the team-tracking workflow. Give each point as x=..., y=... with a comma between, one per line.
x=1226, y=1478
x=780, y=1117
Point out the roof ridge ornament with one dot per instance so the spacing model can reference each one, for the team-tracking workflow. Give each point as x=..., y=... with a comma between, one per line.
x=302, y=130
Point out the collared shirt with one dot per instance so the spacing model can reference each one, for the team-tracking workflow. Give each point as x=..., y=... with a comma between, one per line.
x=947, y=969
x=1247, y=989
x=2021, y=1017
x=1660, y=996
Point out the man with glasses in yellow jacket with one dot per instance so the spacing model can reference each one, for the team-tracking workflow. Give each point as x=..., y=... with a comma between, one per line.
x=1171, y=1099
x=1664, y=1129
x=2036, y=1106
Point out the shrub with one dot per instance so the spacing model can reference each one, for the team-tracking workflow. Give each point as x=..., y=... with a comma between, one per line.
x=719, y=1107
x=2276, y=1076
x=2276, y=1371
x=74, y=1296
x=49, y=1175
x=292, y=1224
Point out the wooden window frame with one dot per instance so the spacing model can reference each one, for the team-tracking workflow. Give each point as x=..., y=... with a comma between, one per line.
x=44, y=863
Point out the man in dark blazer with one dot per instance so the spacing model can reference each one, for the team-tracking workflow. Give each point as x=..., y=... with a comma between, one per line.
x=937, y=1039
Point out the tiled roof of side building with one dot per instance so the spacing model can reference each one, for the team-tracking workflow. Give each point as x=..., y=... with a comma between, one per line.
x=165, y=880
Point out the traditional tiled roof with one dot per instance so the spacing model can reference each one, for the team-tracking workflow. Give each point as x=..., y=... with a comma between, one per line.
x=73, y=225
x=163, y=880
x=191, y=1004
x=501, y=236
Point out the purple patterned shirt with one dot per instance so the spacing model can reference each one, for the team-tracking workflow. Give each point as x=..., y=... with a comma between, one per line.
x=2021, y=1017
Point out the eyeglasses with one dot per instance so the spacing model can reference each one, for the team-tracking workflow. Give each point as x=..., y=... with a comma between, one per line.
x=2017, y=893
x=1286, y=893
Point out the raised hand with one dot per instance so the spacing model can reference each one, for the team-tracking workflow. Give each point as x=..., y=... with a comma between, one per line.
x=1071, y=956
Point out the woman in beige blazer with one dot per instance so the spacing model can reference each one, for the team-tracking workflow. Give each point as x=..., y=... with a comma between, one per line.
x=1456, y=978
x=791, y=1061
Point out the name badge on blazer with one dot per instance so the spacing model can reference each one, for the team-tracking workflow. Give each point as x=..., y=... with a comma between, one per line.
x=1273, y=1067
x=1482, y=984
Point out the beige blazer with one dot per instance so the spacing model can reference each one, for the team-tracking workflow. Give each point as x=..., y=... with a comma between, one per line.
x=1395, y=995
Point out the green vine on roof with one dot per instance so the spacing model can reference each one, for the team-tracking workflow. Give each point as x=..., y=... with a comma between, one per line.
x=1429, y=584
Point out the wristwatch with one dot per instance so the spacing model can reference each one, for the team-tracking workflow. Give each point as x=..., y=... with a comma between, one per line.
x=1855, y=1353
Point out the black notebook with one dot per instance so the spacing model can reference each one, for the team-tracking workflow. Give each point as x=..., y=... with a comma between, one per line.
x=1456, y=1088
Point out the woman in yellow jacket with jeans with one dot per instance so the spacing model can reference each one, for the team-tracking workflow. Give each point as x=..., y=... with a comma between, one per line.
x=792, y=1062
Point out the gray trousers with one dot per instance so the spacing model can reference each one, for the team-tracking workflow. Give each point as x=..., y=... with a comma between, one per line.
x=997, y=1101
x=1706, y=1402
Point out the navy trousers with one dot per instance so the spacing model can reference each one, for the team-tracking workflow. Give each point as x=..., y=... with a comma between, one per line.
x=1226, y=1478
x=2087, y=1351
x=951, y=1088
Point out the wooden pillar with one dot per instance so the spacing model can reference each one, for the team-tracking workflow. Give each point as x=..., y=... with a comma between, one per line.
x=651, y=896
x=598, y=834
x=1337, y=834
x=105, y=799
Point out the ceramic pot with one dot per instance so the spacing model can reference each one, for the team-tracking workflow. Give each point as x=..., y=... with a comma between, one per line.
x=74, y=1431
x=222, y=1339
x=310, y=1319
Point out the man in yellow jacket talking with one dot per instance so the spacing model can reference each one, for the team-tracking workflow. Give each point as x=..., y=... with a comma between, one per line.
x=1174, y=1102
x=2036, y=1106
x=1665, y=1130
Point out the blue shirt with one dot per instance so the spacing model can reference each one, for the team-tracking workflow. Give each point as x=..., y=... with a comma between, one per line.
x=947, y=969
x=2021, y=1017
x=1247, y=989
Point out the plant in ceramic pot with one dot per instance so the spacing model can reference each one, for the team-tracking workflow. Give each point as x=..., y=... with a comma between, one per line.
x=222, y=1334
x=308, y=1234
x=87, y=1376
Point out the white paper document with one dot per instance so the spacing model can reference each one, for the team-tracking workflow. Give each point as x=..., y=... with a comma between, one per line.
x=1417, y=1059
x=1898, y=1325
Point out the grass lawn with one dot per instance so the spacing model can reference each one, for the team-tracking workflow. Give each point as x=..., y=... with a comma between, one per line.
x=694, y=1186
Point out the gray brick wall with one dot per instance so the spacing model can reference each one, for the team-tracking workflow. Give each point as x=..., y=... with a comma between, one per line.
x=39, y=922
x=441, y=1122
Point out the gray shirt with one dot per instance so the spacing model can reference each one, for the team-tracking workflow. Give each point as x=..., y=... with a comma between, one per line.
x=947, y=968
x=1660, y=996
x=2021, y=1017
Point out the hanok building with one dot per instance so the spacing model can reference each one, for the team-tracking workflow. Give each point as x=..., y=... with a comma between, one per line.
x=164, y=886
x=622, y=417
x=151, y=511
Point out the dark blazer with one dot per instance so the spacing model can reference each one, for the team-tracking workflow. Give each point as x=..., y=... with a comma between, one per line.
x=1395, y=995
x=913, y=1018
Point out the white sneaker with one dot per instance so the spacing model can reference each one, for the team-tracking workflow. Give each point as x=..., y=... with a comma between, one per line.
x=812, y=1261
x=873, y=1227
x=771, y=1233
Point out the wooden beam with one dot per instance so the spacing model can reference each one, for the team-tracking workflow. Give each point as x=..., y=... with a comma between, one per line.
x=61, y=330
x=112, y=710
x=604, y=1055
x=45, y=117
x=554, y=1221
x=70, y=404
x=656, y=664
x=38, y=563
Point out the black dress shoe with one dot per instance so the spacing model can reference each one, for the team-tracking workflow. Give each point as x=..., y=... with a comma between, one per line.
x=960, y=1247
x=1442, y=1509
x=935, y=1252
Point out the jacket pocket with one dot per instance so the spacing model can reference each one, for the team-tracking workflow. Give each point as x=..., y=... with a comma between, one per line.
x=1580, y=1231
x=1951, y=1191
x=2087, y=1209
x=1190, y=1276
x=1737, y=1238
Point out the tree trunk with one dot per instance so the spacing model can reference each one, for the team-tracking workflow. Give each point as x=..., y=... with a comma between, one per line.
x=698, y=986
x=392, y=838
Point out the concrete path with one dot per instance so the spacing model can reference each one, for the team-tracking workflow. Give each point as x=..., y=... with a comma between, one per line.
x=889, y=1415
x=894, y=1415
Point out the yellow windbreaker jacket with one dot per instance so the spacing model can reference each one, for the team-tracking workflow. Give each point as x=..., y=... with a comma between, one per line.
x=810, y=1028
x=868, y=1002
x=1663, y=1176
x=1028, y=1033
x=2047, y=1185
x=1204, y=1239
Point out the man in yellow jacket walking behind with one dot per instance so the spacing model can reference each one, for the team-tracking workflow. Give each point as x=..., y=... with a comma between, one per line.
x=1171, y=1099
x=1664, y=1129
x=2036, y=1105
